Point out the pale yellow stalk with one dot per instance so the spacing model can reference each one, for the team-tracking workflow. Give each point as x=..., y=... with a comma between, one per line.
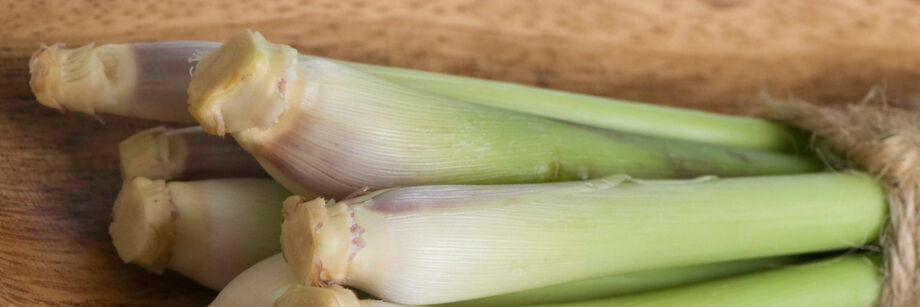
x=209, y=231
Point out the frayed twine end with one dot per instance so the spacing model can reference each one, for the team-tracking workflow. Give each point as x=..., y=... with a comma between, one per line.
x=885, y=141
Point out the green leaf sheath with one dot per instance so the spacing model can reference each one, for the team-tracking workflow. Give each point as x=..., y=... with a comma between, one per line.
x=609, y=113
x=630, y=283
x=847, y=281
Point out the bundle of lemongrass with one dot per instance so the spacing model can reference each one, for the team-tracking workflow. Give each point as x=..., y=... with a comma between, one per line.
x=459, y=191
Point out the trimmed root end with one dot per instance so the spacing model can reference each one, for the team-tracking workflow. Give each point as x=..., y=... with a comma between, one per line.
x=143, y=229
x=147, y=154
x=306, y=296
x=317, y=240
x=81, y=79
x=239, y=85
x=45, y=71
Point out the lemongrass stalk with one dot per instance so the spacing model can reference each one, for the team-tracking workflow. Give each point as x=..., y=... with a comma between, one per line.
x=264, y=283
x=209, y=231
x=439, y=244
x=630, y=283
x=608, y=113
x=846, y=281
x=270, y=283
x=142, y=80
x=187, y=153
x=259, y=285
x=317, y=125
x=135, y=79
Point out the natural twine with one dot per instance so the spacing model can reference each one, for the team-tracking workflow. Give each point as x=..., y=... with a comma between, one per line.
x=885, y=141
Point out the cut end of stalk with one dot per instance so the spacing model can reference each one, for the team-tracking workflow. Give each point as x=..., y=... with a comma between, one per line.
x=147, y=154
x=143, y=228
x=306, y=296
x=45, y=68
x=318, y=240
x=241, y=84
x=82, y=79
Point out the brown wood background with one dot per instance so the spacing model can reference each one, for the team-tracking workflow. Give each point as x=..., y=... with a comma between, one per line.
x=58, y=172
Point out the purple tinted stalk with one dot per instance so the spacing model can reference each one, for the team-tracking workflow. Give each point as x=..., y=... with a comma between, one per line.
x=187, y=153
x=140, y=80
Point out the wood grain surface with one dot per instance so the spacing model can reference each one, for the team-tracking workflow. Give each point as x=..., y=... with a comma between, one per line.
x=58, y=172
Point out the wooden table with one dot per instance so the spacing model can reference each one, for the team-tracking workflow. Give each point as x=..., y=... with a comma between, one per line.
x=59, y=174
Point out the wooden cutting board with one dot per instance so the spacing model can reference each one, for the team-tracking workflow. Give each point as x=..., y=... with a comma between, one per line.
x=59, y=174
